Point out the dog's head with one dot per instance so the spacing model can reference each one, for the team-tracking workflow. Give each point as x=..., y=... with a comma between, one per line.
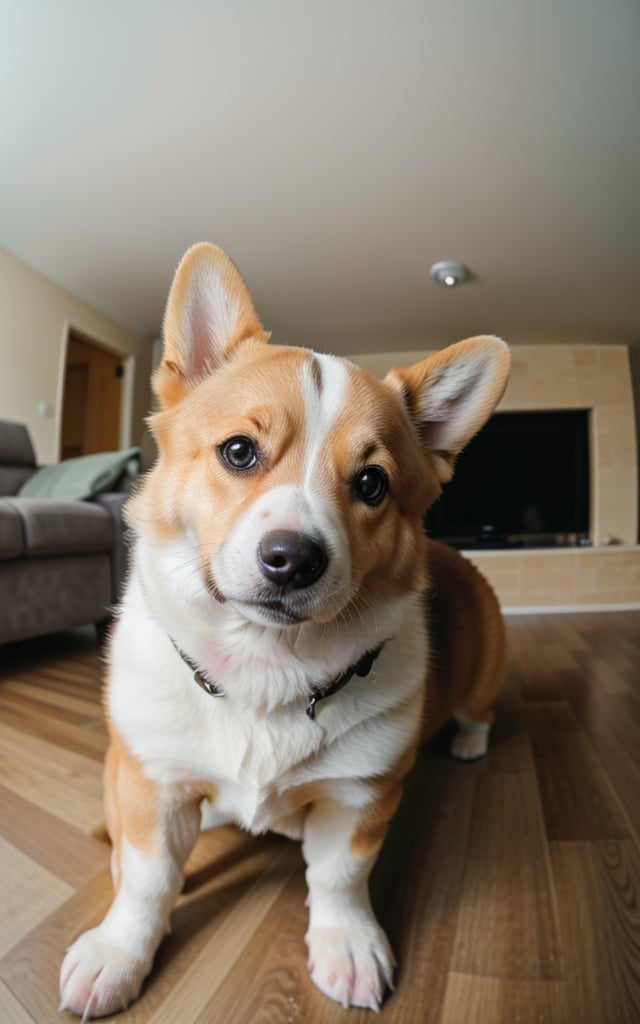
x=297, y=481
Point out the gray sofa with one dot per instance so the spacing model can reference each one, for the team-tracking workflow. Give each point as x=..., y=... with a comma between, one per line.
x=62, y=562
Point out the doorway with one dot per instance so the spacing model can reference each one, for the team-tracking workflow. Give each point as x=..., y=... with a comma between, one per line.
x=91, y=399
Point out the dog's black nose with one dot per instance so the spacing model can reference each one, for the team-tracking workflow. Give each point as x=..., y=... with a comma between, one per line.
x=291, y=559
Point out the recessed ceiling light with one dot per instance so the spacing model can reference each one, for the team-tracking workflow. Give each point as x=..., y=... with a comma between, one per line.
x=449, y=274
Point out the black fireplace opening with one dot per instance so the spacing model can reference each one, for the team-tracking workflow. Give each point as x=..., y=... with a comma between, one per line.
x=522, y=481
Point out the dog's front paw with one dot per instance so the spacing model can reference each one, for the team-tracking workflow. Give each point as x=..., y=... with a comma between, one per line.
x=354, y=965
x=99, y=977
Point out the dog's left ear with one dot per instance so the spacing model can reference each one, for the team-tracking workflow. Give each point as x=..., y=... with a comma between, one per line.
x=452, y=394
x=209, y=312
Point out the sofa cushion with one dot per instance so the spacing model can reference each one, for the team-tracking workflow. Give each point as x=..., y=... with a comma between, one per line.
x=11, y=537
x=13, y=477
x=62, y=527
x=80, y=478
x=15, y=445
x=43, y=595
x=17, y=458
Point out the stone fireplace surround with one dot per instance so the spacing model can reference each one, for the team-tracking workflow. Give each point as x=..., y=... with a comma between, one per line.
x=597, y=378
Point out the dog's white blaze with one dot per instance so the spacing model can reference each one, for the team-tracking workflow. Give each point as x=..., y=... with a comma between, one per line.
x=322, y=406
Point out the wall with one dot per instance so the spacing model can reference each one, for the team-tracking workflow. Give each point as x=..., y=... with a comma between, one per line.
x=563, y=578
x=34, y=317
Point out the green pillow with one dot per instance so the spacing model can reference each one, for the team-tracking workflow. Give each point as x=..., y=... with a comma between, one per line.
x=81, y=478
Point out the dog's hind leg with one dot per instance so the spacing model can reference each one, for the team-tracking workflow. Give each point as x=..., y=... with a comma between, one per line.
x=474, y=717
x=471, y=739
x=466, y=651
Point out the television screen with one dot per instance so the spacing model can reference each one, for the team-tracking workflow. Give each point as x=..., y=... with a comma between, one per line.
x=524, y=477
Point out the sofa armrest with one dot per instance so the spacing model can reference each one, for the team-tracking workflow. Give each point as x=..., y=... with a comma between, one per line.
x=113, y=502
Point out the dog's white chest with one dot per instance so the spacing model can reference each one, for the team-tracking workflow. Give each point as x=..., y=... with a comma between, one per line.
x=259, y=762
x=253, y=763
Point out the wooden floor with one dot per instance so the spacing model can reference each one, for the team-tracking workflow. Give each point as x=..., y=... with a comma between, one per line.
x=510, y=889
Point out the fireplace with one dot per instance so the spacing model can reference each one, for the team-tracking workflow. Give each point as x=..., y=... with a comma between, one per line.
x=523, y=481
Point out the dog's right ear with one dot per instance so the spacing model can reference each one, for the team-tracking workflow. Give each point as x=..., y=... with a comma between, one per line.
x=450, y=395
x=209, y=312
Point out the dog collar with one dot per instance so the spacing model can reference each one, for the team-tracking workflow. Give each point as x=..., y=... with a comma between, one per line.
x=361, y=668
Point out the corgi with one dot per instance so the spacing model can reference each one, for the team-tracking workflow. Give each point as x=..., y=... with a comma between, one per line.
x=288, y=634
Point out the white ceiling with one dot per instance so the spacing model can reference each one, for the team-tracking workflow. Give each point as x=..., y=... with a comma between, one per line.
x=335, y=149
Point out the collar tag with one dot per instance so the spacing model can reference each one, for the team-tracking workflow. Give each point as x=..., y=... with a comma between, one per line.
x=201, y=679
x=211, y=688
x=362, y=669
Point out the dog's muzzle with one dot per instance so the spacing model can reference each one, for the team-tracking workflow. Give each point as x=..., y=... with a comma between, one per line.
x=291, y=560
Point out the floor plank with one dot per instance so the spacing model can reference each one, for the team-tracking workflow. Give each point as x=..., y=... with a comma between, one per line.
x=48, y=776
x=598, y=897
x=476, y=1000
x=11, y=1010
x=577, y=799
x=506, y=924
x=68, y=853
x=28, y=892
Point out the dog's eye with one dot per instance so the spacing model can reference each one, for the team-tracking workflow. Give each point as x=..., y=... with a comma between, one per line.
x=370, y=485
x=239, y=453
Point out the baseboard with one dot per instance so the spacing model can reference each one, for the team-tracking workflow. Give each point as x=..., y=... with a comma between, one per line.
x=548, y=609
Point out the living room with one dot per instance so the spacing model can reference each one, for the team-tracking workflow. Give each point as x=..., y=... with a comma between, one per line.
x=338, y=155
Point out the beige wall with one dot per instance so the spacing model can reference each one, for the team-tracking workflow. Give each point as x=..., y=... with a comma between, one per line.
x=595, y=377
x=558, y=578
x=34, y=317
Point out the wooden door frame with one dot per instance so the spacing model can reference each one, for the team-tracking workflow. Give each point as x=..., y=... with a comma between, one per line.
x=112, y=348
